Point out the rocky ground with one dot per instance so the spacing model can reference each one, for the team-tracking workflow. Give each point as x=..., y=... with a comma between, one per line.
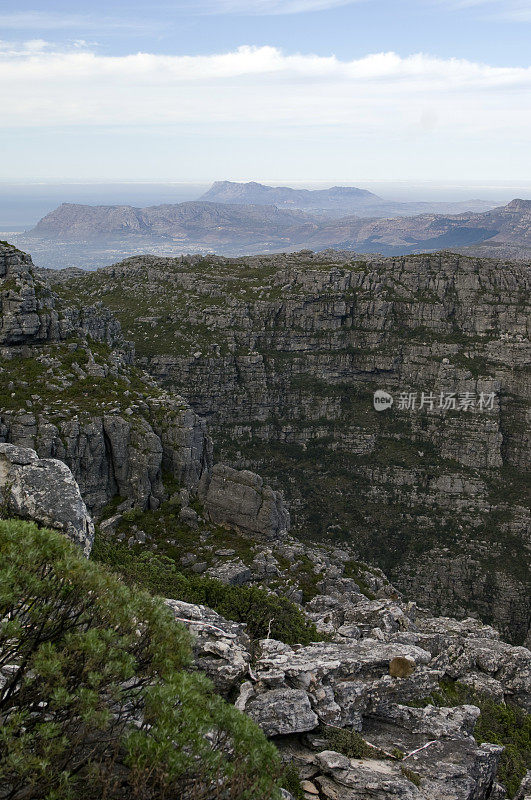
x=389, y=700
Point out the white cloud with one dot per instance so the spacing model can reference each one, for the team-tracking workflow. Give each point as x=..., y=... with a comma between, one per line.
x=42, y=20
x=265, y=88
x=262, y=7
x=513, y=10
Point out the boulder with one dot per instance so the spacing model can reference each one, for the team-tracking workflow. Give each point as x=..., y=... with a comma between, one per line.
x=221, y=647
x=282, y=711
x=44, y=490
x=238, y=498
x=232, y=573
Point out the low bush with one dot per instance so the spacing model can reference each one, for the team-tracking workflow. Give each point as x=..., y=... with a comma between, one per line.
x=350, y=743
x=261, y=611
x=96, y=700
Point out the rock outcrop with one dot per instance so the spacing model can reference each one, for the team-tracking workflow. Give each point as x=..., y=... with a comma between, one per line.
x=239, y=498
x=301, y=696
x=43, y=490
x=69, y=390
x=282, y=355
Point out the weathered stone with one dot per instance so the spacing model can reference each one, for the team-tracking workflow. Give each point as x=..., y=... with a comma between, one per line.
x=239, y=498
x=44, y=490
x=234, y=573
x=221, y=647
x=299, y=353
x=282, y=711
x=524, y=790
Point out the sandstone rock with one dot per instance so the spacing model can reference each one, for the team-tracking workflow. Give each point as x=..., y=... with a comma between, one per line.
x=221, y=647
x=44, y=490
x=282, y=711
x=300, y=354
x=358, y=780
x=524, y=790
x=234, y=573
x=120, y=451
x=239, y=498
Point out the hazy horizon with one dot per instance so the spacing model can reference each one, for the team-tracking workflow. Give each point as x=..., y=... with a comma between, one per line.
x=22, y=204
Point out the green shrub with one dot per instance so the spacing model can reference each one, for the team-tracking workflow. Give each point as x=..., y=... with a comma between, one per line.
x=260, y=610
x=510, y=727
x=97, y=702
x=291, y=781
x=411, y=775
x=350, y=743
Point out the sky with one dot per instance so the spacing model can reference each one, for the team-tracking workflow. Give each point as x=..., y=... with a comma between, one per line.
x=274, y=90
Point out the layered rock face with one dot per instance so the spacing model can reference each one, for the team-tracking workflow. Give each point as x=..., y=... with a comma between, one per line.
x=70, y=391
x=282, y=355
x=43, y=490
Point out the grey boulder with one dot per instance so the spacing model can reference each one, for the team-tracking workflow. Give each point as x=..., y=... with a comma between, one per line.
x=44, y=490
x=238, y=498
x=282, y=711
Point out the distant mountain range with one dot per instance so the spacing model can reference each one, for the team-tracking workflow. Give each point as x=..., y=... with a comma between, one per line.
x=237, y=229
x=336, y=201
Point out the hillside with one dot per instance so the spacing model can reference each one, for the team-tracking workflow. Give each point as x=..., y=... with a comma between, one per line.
x=336, y=201
x=233, y=228
x=191, y=221
x=354, y=684
x=282, y=354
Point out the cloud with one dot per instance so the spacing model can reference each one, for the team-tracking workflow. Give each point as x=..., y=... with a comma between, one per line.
x=263, y=88
x=512, y=10
x=41, y=20
x=262, y=7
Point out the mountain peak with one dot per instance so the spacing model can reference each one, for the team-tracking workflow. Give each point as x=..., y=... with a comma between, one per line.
x=519, y=205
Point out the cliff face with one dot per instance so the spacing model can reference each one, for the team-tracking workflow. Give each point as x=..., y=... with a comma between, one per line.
x=282, y=355
x=69, y=390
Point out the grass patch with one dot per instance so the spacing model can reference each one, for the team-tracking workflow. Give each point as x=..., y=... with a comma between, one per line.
x=350, y=743
x=411, y=775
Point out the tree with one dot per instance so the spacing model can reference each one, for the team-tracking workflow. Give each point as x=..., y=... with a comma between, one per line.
x=96, y=700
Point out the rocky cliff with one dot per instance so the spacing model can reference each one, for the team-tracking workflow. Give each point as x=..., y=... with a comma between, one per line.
x=387, y=701
x=69, y=389
x=282, y=355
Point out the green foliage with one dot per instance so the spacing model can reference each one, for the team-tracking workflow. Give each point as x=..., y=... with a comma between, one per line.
x=350, y=743
x=291, y=781
x=97, y=700
x=250, y=604
x=411, y=775
x=510, y=727
x=354, y=571
x=498, y=723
